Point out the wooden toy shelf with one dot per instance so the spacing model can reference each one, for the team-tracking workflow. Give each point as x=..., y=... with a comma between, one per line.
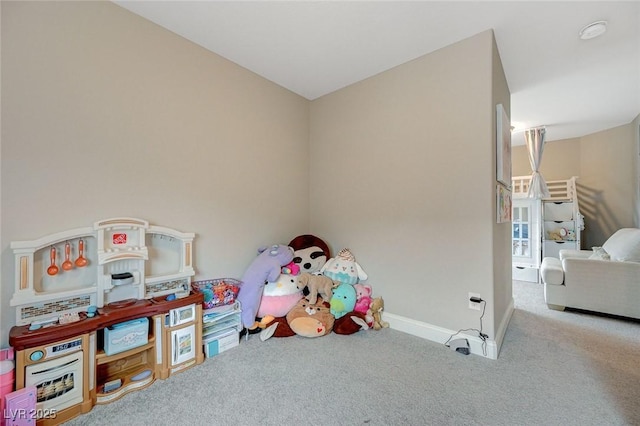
x=20, y=337
x=125, y=366
x=128, y=385
x=101, y=368
x=103, y=358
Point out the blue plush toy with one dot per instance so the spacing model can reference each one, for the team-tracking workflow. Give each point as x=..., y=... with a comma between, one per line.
x=265, y=267
x=343, y=300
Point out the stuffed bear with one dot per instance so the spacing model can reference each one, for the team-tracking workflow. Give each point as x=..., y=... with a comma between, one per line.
x=343, y=300
x=554, y=235
x=310, y=253
x=317, y=285
x=311, y=320
x=344, y=268
x=363, y=298
x=377, y=306
x=265, y=267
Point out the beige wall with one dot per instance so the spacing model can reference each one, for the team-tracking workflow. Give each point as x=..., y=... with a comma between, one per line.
x=502, y=296
x=105, y=114
x=560, y=160
x=606, y=185
x=606, y=164
x=108, y=115
x=636, y=131
x=403, y=173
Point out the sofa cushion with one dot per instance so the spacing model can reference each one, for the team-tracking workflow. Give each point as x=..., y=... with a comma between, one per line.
x=600, y=254
x=551, y=271
x=624, y=245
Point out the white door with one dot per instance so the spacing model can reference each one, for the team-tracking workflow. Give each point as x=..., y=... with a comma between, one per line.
x=526, y=232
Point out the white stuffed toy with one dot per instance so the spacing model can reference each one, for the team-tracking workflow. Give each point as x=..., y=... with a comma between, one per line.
x=344, y=268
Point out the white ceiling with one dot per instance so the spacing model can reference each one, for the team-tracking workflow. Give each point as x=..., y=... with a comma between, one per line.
x=571, y=86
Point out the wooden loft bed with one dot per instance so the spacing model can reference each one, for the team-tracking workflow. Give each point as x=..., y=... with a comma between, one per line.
x=560, y=190
x=542, y=227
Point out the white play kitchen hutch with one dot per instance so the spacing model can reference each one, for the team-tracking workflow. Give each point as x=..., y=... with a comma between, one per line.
x=102, y=311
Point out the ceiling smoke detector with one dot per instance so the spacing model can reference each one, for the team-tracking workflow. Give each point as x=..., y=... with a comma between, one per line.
x=593, y=30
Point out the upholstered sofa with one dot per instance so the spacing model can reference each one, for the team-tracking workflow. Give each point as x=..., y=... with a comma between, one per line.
x=605, y=279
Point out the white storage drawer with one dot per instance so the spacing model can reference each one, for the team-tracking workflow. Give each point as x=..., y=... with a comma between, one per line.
x=525, y=273
x=558, y=211
x=552, y=248
x=567, y=230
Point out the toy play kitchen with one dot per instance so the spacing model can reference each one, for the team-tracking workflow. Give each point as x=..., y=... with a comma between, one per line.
x=100, y=311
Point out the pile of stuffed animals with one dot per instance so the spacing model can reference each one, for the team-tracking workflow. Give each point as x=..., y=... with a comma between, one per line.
x=299, y=289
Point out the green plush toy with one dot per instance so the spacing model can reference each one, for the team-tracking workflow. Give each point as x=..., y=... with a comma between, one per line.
x=343, y=300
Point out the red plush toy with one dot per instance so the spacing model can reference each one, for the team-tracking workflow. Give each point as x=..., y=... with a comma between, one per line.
x=278, y=327
x=350, y=323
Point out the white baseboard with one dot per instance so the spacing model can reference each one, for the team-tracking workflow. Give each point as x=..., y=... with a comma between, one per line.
x=441, y=335
x=504, y=324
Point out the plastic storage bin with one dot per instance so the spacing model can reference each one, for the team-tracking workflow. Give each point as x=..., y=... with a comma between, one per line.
x=217, y=292
x=126, y=335
x=7, y=379
x=221, y=342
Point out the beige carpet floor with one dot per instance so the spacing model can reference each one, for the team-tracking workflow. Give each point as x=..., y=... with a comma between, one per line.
x=554, y=368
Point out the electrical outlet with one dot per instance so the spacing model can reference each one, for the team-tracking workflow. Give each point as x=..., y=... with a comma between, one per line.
x=474, y=305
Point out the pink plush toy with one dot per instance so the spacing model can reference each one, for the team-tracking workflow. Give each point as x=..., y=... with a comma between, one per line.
x=291, y=269
x=363, y=298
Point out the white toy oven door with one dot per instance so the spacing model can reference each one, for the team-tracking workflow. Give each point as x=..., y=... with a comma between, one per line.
x=58, y=382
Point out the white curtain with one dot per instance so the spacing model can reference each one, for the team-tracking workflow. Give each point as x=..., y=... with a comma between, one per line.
x=535, y=145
